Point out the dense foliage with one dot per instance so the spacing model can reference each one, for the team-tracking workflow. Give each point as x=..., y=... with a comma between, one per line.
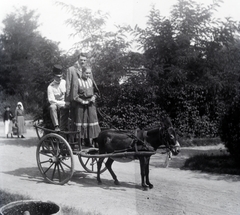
x=191, y=72
x=26, y=61
x=128, y=107
x=187, y=65
x=26, y=58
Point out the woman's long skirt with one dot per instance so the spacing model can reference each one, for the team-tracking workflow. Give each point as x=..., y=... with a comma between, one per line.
x=87, y=121
x=21, y=125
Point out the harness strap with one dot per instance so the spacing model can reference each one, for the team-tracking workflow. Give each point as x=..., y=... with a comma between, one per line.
x=136, y=140
x=132, y=135
x=145, y=136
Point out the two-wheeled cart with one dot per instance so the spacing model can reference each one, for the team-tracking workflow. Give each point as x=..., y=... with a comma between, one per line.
x=55, y=152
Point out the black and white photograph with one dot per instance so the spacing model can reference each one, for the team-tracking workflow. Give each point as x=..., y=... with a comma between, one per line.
x=112, y=107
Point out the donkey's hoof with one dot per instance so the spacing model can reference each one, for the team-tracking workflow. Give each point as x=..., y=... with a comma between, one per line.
x=116, y=183
x=99, y=183
x=150, y=186
x=145, y=188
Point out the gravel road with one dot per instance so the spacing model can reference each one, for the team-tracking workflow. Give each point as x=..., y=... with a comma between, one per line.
x=175, y=191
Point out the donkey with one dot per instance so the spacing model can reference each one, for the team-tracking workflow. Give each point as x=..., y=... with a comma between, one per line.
x=115, y=141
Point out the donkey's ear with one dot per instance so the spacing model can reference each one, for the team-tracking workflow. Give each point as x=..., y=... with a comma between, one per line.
x=162, y=124
x=168, y=122
x=139, y=133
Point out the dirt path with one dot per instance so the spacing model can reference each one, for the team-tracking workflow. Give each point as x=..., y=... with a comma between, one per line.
x=175, y=191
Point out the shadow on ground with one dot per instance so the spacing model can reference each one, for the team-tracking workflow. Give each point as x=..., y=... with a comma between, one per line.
x=23, y=142
x=81, y=178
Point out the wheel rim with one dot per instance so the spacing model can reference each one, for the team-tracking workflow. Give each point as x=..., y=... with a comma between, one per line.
x=55, y=159
x=90, y=164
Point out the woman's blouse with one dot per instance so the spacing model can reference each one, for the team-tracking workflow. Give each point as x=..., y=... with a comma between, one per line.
x=85, y=88
x=19, y=112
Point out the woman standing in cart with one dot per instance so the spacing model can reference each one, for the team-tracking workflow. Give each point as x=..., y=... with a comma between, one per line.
x=19, y=114
x=85, y=93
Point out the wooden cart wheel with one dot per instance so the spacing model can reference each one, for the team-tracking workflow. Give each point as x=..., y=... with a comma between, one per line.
x=55, y=159
x=90, y=164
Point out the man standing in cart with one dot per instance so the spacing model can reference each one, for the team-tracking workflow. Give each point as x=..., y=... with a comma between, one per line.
x=73, y=71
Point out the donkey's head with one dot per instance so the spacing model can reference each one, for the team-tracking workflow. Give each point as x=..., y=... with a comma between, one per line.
x=164, y=135
x=171, y=141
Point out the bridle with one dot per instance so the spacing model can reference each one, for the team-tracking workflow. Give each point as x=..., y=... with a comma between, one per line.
x=166, y=140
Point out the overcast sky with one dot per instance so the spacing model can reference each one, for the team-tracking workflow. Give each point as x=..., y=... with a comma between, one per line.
x=131, y=12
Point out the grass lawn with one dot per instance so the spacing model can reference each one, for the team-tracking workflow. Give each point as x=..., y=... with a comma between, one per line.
x=211, y=163
x=220, y=164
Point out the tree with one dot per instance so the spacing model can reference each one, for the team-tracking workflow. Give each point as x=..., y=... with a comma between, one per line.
x=192, y=59
x=16, y=40
x=26, y=57
x=107, y=50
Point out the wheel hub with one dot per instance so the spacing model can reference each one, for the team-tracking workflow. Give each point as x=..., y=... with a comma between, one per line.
x=54, y=159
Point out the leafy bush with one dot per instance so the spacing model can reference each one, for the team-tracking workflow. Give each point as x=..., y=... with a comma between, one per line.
x=194, y=111
x=128, y=107
x=131, y=116
x=230, y=129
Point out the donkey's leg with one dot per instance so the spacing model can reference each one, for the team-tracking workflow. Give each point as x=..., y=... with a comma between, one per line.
x=147, y=173
x=99, y=165
x=109, y=167
x=142, y=161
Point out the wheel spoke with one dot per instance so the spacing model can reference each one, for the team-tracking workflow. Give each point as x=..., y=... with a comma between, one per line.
x=65, y=164
x=62, y=167
x=59, y=173
x=43, y=153
x=48, y=168
x=47, y=161
x=86, y=162
x=55, y=146
x=46, y=147
x=94, y=161
x=92, y=167
x=51, y=142
x=54, y=171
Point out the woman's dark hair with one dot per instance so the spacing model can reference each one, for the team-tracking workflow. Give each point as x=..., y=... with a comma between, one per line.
x=84, y=69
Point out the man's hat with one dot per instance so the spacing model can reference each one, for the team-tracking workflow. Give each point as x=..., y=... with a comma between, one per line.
x=57, y=70
x=7, y=106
